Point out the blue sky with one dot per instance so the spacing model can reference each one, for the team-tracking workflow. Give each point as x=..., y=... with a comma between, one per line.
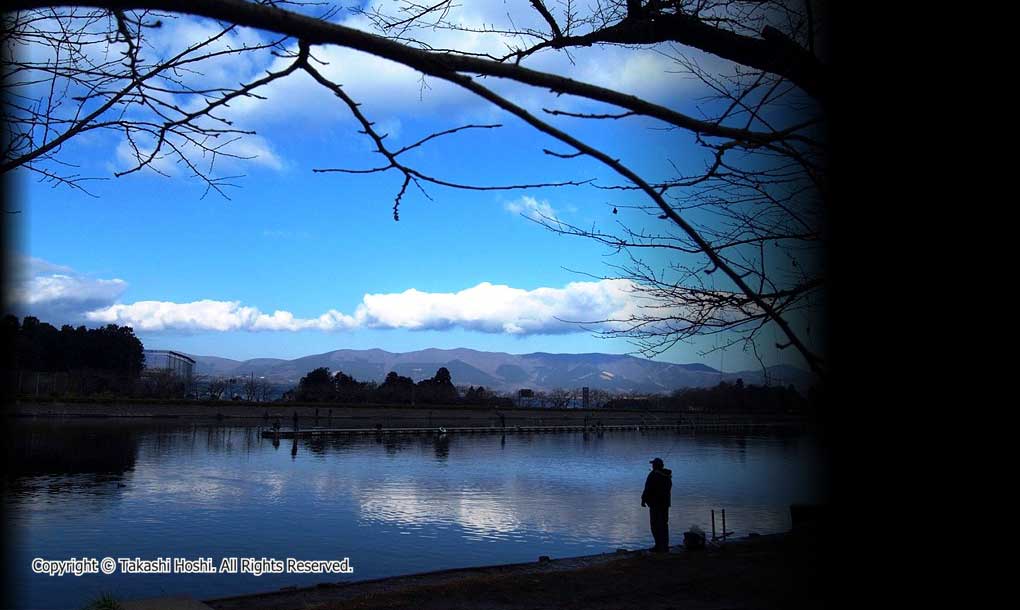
x=306, y=244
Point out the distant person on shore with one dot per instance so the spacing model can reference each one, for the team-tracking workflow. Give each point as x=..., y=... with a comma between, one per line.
x=656, y=496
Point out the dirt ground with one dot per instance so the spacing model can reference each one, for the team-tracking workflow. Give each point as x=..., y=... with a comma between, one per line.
x=785, y=571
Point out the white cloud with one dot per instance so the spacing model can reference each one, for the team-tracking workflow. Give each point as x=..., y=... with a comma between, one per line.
x=485, y=308
x=387, y=90
x=127, y=157
x=208, y=315
x=225, y=68
x=27, y=266
x=58, y=294
x=253, y=149
x=499, y=308
x=532, y=208
x=248, y=149
x=55, y=293
x=644, y=73
x=390, y=91
x=58, y=287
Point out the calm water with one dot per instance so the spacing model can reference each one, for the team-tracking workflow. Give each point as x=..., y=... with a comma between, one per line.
x=393, y=505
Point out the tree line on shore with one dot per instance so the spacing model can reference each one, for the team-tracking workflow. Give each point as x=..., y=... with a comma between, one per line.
x=320, y=385
x=107, y=360
x=726, y=398
x=39, y=346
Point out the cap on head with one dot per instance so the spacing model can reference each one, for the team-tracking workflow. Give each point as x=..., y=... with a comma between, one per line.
x=657, y=463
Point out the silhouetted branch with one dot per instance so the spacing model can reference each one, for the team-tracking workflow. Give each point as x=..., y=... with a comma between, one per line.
x=312, y=31
x=542, y=10
x=755, y=211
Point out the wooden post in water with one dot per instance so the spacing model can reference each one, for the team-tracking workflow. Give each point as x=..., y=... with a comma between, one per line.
x=724, y=524
x=713, y=524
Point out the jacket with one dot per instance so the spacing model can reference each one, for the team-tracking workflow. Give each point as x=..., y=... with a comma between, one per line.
x=657, y=488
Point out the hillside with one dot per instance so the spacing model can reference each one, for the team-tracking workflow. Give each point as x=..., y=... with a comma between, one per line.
x=501, y=371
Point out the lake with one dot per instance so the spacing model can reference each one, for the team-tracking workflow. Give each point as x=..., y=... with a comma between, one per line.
x=394, y=504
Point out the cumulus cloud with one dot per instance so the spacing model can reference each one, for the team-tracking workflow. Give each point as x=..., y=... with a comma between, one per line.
x=487, y=308
x=392, y=94
x=253, y=149
x=390, y=90
x=499, y=308
x=209, y=315
x=57, y=293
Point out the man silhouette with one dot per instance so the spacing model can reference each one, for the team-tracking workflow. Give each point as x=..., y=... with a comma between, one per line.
x=656, y=497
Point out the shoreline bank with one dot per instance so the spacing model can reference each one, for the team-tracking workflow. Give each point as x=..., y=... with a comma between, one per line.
x=388, y=416
x=776, y=570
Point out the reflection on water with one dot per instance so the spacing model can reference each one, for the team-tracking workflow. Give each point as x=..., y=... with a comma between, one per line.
x=393, y=504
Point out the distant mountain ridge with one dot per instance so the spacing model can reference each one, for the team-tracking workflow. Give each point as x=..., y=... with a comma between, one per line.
x=501, y=371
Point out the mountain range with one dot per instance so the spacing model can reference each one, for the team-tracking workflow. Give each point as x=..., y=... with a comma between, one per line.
x=501, y=371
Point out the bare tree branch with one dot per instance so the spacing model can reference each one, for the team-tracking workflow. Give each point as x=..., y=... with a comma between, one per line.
x=740, y=245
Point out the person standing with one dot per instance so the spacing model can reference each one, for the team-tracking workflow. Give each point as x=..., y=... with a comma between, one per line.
x=656, y=497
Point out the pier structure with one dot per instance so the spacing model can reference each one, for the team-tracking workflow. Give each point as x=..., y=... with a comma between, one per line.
x=440, y=430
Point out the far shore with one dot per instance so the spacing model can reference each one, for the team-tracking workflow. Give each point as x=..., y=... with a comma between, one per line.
x=370, y=416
